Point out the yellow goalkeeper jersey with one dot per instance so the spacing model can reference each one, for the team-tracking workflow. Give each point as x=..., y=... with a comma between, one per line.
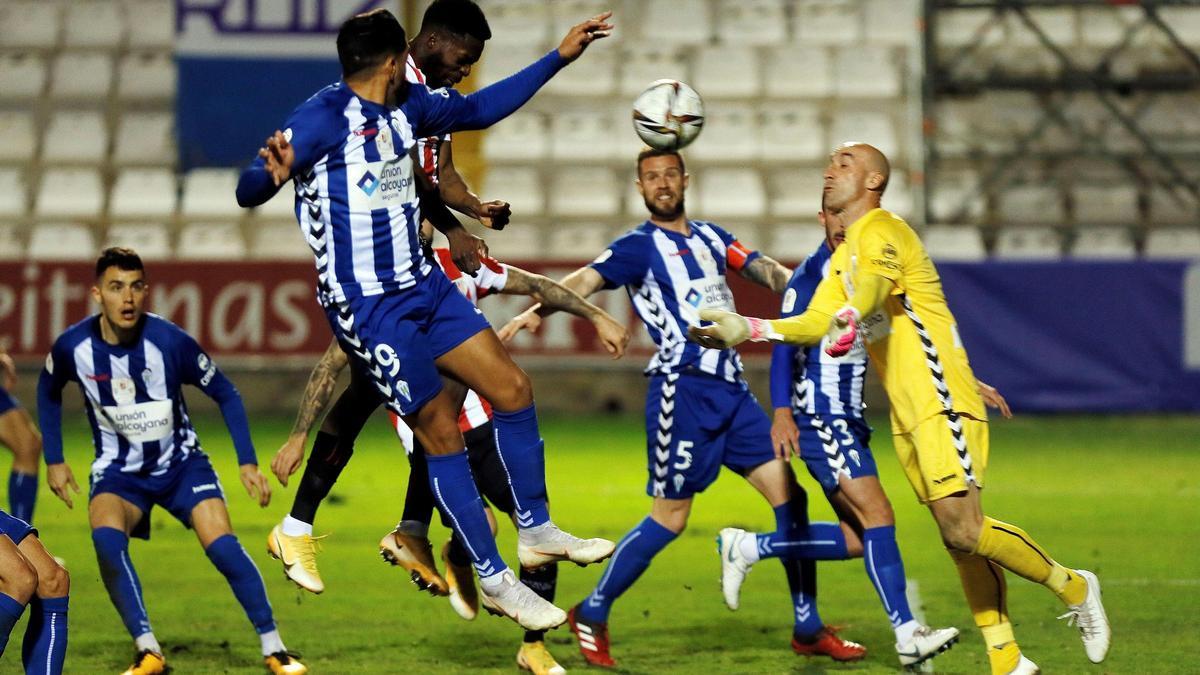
x=912, y=339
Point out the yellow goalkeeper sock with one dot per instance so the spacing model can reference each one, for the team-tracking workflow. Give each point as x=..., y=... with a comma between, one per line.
x=987, y=596
x=1003, y=657
x=1014, y=550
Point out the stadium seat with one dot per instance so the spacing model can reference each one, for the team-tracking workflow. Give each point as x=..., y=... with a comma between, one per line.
x=498, y=64
x=210, y=241
x=726, y=71
x=973, y=26
x=684, y=22
x=1173, y=243
x=33, y=24
x=898, y=197
x=145, y=139
x=1028, y=243
x=75, y=137
x=279, y=240
x=793, y=242
x=93, y=25
x=956, y=196
x=955, y=126
x=627, y=144
x=81, y=76
x=1104, y=243
x=582, y=136
x=1105, y=27
x=954, y=243
x=62, y=241
x=731, y=193
x=795, y=192
x=586, y=192
x=793, y=133
x=143, y=193
x=152, y=22
x=1031, y=204
x=521, y=187
x=517, y=244
x=594, y=76
x=22, y=76
x=12, y=248
x=152, y=241
x=209, y=194
x=1184, y=21
x=892, y=22
x=575, y=242
x=827, y=22
x=867, y=71
x=70, y=193
x=1058, y=23
x=1173, y=208
x=15, y=190
x=522, y=137
x=779, y=72
x=566, y=13
x=875, y=128
x=280, y=207
x=18, y=140
x=731, y=133
x=147, y=76
x=757, y=22
x=1097, y=204
x=519, y=22
x=643, y=64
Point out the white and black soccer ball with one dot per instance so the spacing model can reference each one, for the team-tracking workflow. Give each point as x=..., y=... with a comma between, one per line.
x=668, y=115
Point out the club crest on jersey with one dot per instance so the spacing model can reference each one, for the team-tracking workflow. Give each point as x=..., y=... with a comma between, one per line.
x=383, y=142
x=123, y=390
x=704, y=257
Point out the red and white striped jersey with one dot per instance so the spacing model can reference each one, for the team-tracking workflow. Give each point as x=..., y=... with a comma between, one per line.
x=428, y=147
x=491, y=277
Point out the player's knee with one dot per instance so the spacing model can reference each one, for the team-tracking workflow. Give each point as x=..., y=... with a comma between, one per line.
x=54, y=581
x=515, y=391
x=19, y=580
x=959, y=535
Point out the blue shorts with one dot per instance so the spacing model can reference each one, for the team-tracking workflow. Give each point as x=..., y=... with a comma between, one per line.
x=7, y=401
x=178, y=490
x=833, y=446
x=395, y=337
x=696, y=423
x=14, y=528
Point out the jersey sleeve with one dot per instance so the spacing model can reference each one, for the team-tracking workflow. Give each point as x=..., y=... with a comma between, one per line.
x=623, y=262
x=197, y=368
x=58, y=371
x=881, y=249
x=737, y=254
x=491, y=277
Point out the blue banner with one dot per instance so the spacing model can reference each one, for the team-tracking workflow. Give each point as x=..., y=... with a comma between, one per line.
x=1093, y=336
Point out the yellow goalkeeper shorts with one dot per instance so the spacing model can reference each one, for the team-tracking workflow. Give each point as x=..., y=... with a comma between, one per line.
x=943, y=455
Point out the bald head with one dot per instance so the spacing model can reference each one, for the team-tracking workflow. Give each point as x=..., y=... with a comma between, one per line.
x=873, y=161
x=856, y=176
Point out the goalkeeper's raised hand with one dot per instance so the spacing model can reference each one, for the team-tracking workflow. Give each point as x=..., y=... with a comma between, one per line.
x=842, y=332
x=728, y=329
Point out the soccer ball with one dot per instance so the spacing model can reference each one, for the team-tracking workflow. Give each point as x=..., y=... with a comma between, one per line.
x=668, y=115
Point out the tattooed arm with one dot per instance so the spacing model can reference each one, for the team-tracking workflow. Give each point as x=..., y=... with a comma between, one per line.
x=553, y=296
x=767, y=273
x=316, y=397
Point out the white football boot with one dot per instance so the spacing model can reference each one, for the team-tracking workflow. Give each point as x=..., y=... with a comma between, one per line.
x=1025, y=667
x=516, y=601
x=1091, y=620
x=551, y=544
x=925, y=644
x=734, y=566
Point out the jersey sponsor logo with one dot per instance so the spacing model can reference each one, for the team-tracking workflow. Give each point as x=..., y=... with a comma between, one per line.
x=368, y=183
x=102, y=377
x=204, y=487
x=366, y=132
x=875, y=327
x=682, y=251
x=889, y=251
x=388, y=183
x=140, y=422
x=710, y=293
x=207, y=367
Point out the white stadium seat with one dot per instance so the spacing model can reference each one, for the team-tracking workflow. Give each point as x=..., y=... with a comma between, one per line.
x=1028, y=243
x=726, y=71
x=81, y=76
x=973, y=26
x=1031, y=204
x=1058, y=23
x=1173, y=208
x=827, y=22
x=522, y=137
x=892, y=22
x=676, y=22
x=152, y=241
x=145, y=139
x=11, y=245
x=62, y=241
x=18, y=141
x=280, y=207
x=955, y=196
x=731, y=193
x=1184, y=21
x=627, y=144
x=954, y=243
x=70, y=193
x=143, y=193
x=1104, y=243
x=594, y=76
x=13, y=186
x=898, y=197
x=586, y=192
x=793, y=242
x=566, y=13
x=152, y=24
x=779, y=72
x=731, y=133
x=875, y=128
x=795, y=192
x=498, y=64
x=147, y=76
x=519, y=22
x=582, y=136
x=32, y=24
x=279, y=240
x=1104, y=27
x=575, y=242
x=75, y=137
x=94, y=25
x=22, y=76
x=1106, y=204
x=758, y=22
x=867, y=71
x=643, y=64
x=209, y=194
x=1173, y=243
x=516, y=243
x=520, y=187
x=210, y=241
x=793, y=133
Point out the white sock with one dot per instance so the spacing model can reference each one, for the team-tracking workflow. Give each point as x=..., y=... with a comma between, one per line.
x=413, y=528
x=271, y=643
x=493, y=582
x=295, y=528
x=749, y=548
x=146, y=641
x=904, y=631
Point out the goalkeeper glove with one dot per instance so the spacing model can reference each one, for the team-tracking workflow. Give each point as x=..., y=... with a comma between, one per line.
x=842, y=332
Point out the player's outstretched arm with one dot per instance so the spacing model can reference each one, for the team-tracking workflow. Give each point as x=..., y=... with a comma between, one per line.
x=555, y=296
x=466, y=250
x=455, y=192
x=314, y=401
x=767, y=273
x=49, y=395
x=583, y=34
x=583, y=281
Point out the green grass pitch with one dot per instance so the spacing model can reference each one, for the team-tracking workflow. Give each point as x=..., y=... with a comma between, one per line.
x=1118, y=495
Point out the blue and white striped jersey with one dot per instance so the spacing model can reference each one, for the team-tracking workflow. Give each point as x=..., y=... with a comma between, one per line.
x=670, y=278
x=134, y=398
x=816, y=383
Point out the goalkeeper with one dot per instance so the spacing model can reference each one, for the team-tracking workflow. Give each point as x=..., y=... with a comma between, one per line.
x=883, y=289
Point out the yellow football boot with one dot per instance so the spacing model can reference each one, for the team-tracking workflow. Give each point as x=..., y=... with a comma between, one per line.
x=147, y=663
x=299, y=558
x=414, y=554
x=535, y=658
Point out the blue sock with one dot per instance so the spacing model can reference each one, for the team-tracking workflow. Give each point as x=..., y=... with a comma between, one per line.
x=801, y=573
x=45, y=646
x=458, y=499
x=632, y=557
x=881, y=556
x=523, y=455
x=10, y=611
x=121, y=580
x=22, y=495
x=818, y=541
x=228, y=556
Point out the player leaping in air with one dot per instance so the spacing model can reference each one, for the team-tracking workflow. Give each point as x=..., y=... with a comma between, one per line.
x=884, y=291
x=347, y=149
